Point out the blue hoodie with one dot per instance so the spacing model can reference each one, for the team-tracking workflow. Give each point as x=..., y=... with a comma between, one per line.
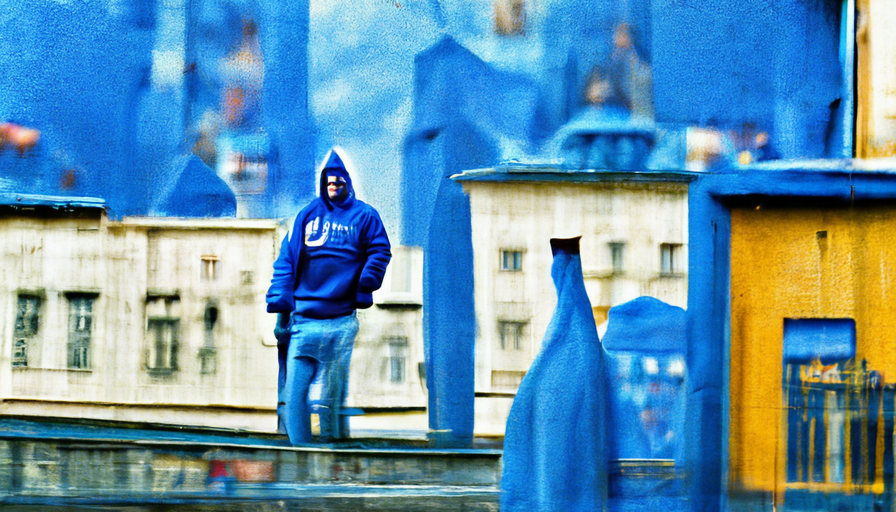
x=334, y=255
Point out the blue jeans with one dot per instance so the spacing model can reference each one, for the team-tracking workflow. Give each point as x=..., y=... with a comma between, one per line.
x=317, y=356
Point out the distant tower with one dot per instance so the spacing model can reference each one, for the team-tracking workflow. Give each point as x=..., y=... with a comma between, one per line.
x=284, y=43
x=253, y=125
x=436, y=216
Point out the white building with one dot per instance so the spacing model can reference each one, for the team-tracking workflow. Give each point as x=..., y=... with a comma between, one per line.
x=163, y=320
x=634, y=242
x=387, y=379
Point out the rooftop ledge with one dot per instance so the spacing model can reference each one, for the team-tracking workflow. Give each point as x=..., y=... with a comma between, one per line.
x=200, y=223
x=835, y=165
x=516, y=172
x=47, y=201
x=557, y=172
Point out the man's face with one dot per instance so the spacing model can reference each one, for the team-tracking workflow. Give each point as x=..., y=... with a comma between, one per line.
x=336, y=187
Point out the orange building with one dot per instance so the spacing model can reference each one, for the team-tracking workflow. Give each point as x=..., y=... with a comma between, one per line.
x=792, y=333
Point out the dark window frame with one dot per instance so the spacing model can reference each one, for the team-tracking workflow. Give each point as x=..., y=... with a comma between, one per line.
x=27, y=327
x=81, y=308
x=208, y=353
x=162, y=358
x=671, y=265
x=517, y=334
x=398, y=359
x=617, y=257
x=511, y=260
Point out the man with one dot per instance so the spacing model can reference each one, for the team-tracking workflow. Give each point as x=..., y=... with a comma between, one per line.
x=331, y=260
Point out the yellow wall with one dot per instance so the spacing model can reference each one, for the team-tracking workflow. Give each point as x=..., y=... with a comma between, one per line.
x=780, y=268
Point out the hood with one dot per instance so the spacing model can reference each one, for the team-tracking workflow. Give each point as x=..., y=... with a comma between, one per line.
x=336, y=163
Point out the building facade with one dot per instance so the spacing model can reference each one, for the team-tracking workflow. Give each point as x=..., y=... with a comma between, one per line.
x=162, y=320
x=387, y=379
x=634, y=243
x=144, y=319
x=790, y=404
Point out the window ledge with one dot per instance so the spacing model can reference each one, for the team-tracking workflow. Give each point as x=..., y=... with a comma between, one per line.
x=45, y=369
x=601, y=274
x=498, y=393
x=399, y=305
x=161, y=372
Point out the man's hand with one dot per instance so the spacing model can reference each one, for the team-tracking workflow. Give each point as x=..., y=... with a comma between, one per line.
x=363, y=300
x=282, y=329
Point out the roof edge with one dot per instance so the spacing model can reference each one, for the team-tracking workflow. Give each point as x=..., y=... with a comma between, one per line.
x=553, y=173
x=56, y=202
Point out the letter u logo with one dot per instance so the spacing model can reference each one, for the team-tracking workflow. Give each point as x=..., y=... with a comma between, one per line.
x=311, y=228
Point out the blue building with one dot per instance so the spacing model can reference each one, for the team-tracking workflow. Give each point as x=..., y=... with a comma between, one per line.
x=121, y=90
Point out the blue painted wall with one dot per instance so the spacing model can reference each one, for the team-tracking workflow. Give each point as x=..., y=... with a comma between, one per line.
x=96, y=79
x=85, y=74
x=775, y=64
x=73, y=71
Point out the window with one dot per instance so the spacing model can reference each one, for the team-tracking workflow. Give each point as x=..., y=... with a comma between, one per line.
x=80, y=330
x=163, y=348
x=670, y=259
x=511, y=260
x=398, y=354
x=616, y=256
x=27, y=325
x=162, y=333
x=511, y=334
x=820, y=377
x=510, y=17
x=208, y=359
x=210, y=267
x=208, y=354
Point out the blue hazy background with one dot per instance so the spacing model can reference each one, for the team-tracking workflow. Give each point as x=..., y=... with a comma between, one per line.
x=223, y=107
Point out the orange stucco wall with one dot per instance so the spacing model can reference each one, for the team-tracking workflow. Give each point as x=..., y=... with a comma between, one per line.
x=782, y=267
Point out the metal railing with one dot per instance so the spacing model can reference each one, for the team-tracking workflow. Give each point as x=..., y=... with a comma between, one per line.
x=839, y=426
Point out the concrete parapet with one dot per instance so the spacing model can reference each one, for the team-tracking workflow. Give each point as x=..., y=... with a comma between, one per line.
x=39, y=465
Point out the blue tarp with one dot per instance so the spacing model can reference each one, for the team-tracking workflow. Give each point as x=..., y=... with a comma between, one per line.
x=555, y=455
x=645, y=346
x=646, y=325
